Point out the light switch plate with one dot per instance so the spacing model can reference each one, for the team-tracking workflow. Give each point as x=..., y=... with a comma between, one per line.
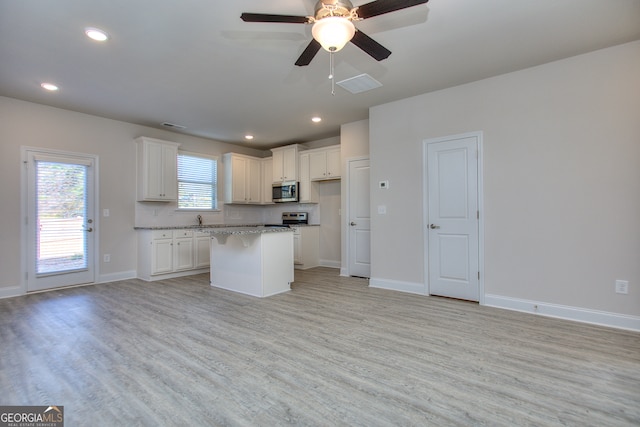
x=622, y=287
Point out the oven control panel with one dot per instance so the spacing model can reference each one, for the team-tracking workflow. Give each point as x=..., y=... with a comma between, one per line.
x=295, y=217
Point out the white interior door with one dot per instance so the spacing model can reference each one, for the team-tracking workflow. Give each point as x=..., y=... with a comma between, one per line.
x=359, y=219
x=453, y=212
x=60, y=219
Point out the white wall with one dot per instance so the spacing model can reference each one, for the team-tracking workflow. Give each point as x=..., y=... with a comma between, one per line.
x=561, y=180
x=27, y=124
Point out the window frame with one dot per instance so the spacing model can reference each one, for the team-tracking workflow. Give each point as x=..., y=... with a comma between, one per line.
x=216, y=183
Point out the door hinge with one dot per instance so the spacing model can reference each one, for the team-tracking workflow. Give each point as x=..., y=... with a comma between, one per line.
x=477, y=214
x=478, y=275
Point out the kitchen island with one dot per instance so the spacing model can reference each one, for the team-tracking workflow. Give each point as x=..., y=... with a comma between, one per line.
x=256, y=261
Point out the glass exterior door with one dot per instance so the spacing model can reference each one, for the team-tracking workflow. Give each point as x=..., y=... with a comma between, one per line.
x=60, y=220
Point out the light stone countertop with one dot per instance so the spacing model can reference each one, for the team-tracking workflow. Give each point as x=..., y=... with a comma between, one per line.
x=245, y=234
x=248, y=230
x=207, y=227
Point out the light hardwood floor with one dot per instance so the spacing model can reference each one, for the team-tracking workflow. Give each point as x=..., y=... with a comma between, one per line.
x=330, y=352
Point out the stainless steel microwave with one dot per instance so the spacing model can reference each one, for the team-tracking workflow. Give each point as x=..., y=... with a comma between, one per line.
x=286, y=191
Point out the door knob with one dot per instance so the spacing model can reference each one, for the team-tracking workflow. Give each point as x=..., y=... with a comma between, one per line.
x=353, y=223
x=89, y=230
x=433, y=226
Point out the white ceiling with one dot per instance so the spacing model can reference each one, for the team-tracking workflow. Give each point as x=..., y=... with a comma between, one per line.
x=196, y=64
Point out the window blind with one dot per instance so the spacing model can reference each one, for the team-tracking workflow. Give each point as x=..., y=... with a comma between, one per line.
x=197, y=182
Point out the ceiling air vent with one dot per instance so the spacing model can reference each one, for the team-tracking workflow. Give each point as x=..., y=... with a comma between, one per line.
x=361, y=83
x=173, y=126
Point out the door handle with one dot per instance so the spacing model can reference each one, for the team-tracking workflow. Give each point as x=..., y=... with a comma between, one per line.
x=433, y=226
x=353, y=223
x=89, y=230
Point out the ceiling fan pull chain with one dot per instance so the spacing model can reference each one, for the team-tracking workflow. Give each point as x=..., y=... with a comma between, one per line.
x=331, y=76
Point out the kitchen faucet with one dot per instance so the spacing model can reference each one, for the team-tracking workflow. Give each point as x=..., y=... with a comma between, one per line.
x=199, y=219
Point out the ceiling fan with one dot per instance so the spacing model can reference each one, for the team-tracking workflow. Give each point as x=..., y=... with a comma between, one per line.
x=333, y=25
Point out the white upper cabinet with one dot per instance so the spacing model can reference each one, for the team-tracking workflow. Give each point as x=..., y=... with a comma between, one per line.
x=157, y=170
x=324, y=164
x=285, y=163
x=267, y=174
x=243, y=179
x=308, y=190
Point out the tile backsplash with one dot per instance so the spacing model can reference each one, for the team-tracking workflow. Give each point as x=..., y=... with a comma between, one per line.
x=156, y=214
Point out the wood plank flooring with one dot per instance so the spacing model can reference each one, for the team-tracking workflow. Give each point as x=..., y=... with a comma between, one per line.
x=330, y=352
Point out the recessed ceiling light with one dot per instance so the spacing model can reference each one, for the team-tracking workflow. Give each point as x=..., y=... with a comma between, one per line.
x=316, y=119
x=49, y=86
x=248, y=137
x=96, y=34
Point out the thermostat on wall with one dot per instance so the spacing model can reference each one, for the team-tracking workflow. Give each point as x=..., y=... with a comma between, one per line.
x=383, y=184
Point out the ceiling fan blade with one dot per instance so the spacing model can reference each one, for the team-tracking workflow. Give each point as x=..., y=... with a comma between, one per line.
x=310, y=51
x=265, y=17
x=380, y=7
x=370, y=46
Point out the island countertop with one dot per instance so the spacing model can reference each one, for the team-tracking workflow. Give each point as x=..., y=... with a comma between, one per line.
x=247, y=230
x=245, y=234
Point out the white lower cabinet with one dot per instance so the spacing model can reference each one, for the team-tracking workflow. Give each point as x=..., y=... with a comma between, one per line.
x=172, y=253
x=306, y=247
x=202, y=242
x=182, y=250
x=162, y=253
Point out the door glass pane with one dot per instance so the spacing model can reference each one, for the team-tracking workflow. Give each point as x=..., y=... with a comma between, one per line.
x=61, y=203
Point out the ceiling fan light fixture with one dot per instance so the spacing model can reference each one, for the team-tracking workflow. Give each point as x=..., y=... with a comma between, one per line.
x=333, y=32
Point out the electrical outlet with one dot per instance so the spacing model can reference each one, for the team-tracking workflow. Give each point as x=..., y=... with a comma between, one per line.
x=622, y=287
x=107, y=257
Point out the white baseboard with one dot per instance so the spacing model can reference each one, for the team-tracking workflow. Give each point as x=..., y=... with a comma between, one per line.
x=10, y=292
x=16, y=291
x=114, y=277
x=172, y=275
x=344, y=272
x=329, y=263
x=397, y=285
x=603, y=318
